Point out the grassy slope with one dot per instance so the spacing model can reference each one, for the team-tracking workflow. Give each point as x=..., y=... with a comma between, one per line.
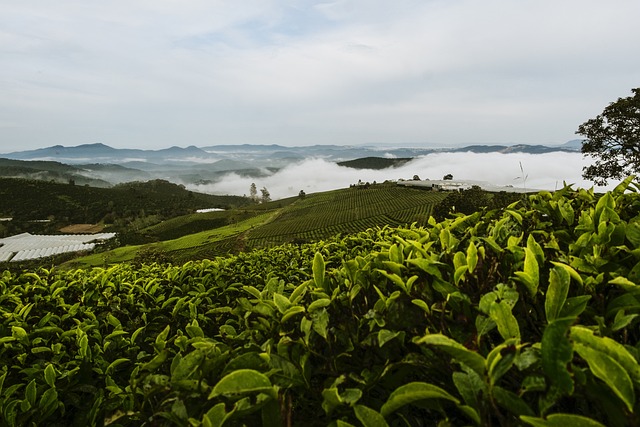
x=315, y=217
x=182, y=247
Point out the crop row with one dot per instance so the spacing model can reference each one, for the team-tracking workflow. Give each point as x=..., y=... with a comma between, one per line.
x=322, y=215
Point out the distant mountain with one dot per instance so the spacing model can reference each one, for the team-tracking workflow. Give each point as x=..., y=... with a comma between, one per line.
x=374, y=163
x=192, y=164
x=575, y=144
x=104, y=154
x=49, y=171
x=518, y=148
x=254, y=155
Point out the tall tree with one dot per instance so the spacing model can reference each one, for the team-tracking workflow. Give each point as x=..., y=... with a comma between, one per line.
x=266, y=196
x=253, y=191
x=613, y=140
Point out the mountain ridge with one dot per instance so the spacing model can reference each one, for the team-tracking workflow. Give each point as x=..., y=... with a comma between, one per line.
x=101, y=153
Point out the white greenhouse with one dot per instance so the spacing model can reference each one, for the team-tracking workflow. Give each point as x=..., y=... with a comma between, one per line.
x=26, y=246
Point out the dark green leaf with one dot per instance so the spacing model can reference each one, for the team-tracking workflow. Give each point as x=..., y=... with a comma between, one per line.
x=241, y=382
x=413, y=392
x=507, y=323
x=557, y=353
x=470, y=358
x=50, y=375
x=369, y=417
x=610, y=347
x=561, y=420
x=610, y=371
x=319, y=271
x=511, y=402
x=557, y=292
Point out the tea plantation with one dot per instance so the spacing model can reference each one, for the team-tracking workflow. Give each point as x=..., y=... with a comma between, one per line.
x=526, y=315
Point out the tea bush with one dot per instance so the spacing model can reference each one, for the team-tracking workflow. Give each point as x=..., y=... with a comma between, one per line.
x=526, y=315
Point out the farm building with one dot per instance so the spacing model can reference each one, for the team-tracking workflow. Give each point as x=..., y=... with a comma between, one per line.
x=26, y=246
x=450, y=184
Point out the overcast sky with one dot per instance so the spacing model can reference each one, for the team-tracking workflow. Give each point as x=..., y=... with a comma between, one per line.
x=158, y=73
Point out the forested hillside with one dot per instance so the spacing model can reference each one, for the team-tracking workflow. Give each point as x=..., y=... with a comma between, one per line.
x=63, y=204
x=526, y=315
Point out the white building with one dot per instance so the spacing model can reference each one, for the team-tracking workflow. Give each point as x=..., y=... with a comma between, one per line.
x=26, y=246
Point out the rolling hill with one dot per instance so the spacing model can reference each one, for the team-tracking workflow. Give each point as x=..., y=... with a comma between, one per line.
x=295, y=220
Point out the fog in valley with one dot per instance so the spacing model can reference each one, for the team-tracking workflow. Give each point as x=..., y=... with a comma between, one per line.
x=533, y=171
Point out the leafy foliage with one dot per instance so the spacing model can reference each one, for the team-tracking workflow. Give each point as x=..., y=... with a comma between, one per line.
x=526, y=315
x=613, y=140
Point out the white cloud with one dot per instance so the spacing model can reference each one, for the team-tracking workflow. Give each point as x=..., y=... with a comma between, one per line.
x=541, y=171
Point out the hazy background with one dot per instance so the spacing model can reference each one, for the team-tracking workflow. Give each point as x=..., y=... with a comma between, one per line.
x=542, y=171
x=152, y=74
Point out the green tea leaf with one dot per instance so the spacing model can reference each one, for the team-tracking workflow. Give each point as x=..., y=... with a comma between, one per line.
x=161, y=339
x=48, y=399
x=242, y=382
x=507, y=323
x=282, y=302
x=385, y=335
x=530, y=277
x=50, y=375
x=610, y=371
x=413, y=392
x=501, y=359
x=330, y=399
x=320, y=322
x=216, y=416
x=470, y=385
x=319, y=272
x=557, y=292
x=472, y=257
x=188, y=365
x=31, y=392
x=622, y=320
x=574, y=306
x=292, y=311
x=253, y=291
x=420, y=303
x=615, y=350
x=113, y=365
x=19, y=334
x=511, y=402
x=557, y=353
x=156, y=362
x=561, y=420
x=470, y=358
x=459, y=260
x=369, y=417
x=427, y=265
x=397, y=280
x=632, y=233
x=318, y=304
x=459, y=273
x=572, y=272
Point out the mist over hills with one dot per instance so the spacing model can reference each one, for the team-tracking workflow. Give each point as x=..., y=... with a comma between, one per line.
x=230, y=169
x=248, y=154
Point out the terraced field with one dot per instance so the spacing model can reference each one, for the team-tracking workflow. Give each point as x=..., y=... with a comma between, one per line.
x=349, y=210
x=316, y=217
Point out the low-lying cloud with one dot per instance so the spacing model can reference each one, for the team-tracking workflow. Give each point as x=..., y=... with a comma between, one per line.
x=534, y=171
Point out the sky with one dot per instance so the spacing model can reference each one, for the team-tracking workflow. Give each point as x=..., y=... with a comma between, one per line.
x=549, y=171
x=152, y=74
